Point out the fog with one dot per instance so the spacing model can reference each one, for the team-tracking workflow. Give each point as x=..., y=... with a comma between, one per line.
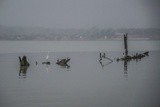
x=80, y=13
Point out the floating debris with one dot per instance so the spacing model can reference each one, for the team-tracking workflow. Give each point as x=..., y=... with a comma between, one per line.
x=47, y=63
x=63, y=62
x=134, y=57
x=103, y=60
x=127, y=57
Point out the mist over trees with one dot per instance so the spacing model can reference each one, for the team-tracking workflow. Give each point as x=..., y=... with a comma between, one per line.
x=95, y=33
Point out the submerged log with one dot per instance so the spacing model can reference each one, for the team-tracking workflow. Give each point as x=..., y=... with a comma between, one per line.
x=63, y=62
x=23, y=61
x=127, y=57
x=134, y=57
x=47, y=63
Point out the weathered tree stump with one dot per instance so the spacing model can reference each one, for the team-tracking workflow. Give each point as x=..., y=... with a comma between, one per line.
x=23, y=61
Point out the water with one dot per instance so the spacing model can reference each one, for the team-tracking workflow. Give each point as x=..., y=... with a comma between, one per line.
x=72, y=46
x=86, y=83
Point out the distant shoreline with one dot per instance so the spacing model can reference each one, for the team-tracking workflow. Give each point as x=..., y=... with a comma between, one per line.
x=93, y=34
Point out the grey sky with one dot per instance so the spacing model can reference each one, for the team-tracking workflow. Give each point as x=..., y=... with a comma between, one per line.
x=79, y=13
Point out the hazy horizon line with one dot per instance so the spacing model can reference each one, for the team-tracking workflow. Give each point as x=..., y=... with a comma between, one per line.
x=93, y=27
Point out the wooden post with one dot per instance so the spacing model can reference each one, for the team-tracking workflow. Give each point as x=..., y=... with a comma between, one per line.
x=125, y=45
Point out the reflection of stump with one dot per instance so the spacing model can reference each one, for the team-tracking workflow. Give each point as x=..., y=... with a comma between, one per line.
x=23, y=61
x=23, y=70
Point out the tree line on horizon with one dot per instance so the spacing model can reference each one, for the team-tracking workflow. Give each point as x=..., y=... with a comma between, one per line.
x=95, y=33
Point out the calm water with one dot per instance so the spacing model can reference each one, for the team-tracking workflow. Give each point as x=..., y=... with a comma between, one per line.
x=86, y=83
x=74, y=46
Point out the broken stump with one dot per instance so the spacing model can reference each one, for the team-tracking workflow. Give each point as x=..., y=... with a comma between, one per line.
x=23, y=61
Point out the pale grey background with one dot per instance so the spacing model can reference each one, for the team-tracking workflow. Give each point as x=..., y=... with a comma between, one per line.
x=80, y=13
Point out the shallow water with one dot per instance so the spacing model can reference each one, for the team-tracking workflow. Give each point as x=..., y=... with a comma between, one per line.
x=86, y=83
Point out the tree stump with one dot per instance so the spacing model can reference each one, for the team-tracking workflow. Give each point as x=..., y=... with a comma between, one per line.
x=23, y=61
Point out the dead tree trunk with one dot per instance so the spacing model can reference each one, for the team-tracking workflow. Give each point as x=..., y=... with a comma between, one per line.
x=125, y=44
